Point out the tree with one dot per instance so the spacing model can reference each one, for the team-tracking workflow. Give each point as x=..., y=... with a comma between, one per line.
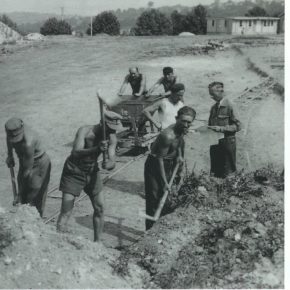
x=256, y=11
x=153, y=22
x=105, y=22
x=6, y=20
x=195, y=20
x=52, y=26
x=178, y=22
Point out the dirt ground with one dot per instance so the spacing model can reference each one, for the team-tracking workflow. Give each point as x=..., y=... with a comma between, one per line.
x=52, y=86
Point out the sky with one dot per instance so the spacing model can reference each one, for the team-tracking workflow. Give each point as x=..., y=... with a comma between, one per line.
x=86, y=7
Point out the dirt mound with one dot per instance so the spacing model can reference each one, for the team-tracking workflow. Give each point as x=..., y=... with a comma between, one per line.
x=34, y=36
x=224, y=234
x=34, y=255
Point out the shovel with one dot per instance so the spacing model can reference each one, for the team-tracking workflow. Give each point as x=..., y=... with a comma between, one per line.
x=163, y=199
x=14, y=188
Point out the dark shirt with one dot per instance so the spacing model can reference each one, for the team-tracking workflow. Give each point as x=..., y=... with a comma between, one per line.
x=167, y=84
x=135, y=83
x=223, y=115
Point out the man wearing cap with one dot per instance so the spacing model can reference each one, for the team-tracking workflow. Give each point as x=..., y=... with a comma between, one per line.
x=168, y=80
x=34, y=164
x=81, y=170
x=166, y=151
x=137, y=82
x=222, y=119
x=167, y=108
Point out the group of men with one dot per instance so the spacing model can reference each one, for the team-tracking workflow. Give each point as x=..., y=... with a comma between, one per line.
x=81, y=170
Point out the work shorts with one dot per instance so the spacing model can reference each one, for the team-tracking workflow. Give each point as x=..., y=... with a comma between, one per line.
x=74, y=179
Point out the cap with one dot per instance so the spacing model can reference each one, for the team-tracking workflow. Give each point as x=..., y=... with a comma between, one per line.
x=113, y=120
x=14, y=129
x=177, y=87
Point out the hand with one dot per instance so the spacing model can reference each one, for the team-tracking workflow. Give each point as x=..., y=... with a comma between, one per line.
x=166, y=187
x=103, y=146
x=159, y=127
x=108, y=165
x=10, y=162
x=216, y=128
x=137, y=95
x=179, y=160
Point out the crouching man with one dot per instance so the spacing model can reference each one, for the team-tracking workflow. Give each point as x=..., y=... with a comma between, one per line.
x=81, y=171
x=34, y=164
x=166, y=152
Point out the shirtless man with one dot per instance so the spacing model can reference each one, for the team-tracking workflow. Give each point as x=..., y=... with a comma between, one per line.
x=166, y=152
x=81, y=171
x=168, y=80
x=34, y=164
x=137, y=82
x=167, y=108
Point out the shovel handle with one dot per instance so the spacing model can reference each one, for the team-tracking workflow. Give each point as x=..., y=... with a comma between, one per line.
x=164, y=197
x=103, y=123
x=13, y=182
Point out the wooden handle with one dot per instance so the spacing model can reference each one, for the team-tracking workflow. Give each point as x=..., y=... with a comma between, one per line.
x=102, y=122
x=164, y=197
x=13, y=182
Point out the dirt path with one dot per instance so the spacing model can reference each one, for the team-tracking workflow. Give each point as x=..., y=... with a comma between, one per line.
x=52, y=87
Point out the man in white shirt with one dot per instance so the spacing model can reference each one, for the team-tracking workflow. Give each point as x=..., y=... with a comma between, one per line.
x=167, y=108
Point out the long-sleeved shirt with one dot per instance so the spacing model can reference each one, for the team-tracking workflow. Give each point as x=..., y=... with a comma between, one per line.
x=222, y=114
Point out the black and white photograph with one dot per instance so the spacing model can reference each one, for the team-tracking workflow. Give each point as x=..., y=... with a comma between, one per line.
x=142, y=144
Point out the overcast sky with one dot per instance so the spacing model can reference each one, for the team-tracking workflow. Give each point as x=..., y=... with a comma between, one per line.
x=86, y=7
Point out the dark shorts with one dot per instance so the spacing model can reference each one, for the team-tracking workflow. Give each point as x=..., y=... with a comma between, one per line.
x=74, y=179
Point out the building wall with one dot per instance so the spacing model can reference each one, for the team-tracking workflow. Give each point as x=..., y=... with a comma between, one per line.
x=217, y=25
x=249, y=27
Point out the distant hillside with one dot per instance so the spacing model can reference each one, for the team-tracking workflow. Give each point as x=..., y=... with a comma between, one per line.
x=31, y=22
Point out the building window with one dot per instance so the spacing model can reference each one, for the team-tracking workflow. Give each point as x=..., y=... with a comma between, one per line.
x=225, y=23
x=265, y=22
x=241, y=22
x=212, y=23
x=255, y=22
x=250, y=22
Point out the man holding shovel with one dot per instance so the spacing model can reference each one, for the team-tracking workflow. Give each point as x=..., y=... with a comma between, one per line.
x=81, y=171
x=34, y=164
x=167, y=152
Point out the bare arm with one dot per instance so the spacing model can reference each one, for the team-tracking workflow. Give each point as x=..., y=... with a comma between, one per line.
x=124, y=85
x=111, y=162
x=154, y=87
x=142, y=87
x=150, y=110
x=79, y=144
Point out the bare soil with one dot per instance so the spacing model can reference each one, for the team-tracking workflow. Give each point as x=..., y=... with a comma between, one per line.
x=52, y=86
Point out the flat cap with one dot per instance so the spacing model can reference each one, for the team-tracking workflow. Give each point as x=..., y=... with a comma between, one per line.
x=14, y=129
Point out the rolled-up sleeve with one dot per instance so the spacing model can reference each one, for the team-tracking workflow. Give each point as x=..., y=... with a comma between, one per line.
x=234, y=123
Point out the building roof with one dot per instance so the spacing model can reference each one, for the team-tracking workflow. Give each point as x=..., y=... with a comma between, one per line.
x=245, y=18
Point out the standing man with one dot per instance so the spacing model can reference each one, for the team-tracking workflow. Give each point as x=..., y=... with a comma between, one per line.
x=81, y=171
x=166, y=152
x=168, y=80
x=222, y=119
x=167, y=108
x=34, y=164
x=137, y=82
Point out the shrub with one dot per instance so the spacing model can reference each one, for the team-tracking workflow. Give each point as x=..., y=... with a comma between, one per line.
x=105, y=22
x=52, y=26
x=153, y=22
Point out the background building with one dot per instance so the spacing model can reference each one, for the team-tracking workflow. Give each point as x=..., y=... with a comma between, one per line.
x=242, y=25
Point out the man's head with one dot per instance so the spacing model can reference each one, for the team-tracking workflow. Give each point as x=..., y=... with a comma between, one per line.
x=15, y=130
x=177, y=92
x=185, y=117
x=216, y=90
x=134, y=72
x=113, y=121
x=168, y=72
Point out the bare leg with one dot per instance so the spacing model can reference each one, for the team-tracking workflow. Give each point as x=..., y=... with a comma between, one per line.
x=98, y=216
x=66, y=210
